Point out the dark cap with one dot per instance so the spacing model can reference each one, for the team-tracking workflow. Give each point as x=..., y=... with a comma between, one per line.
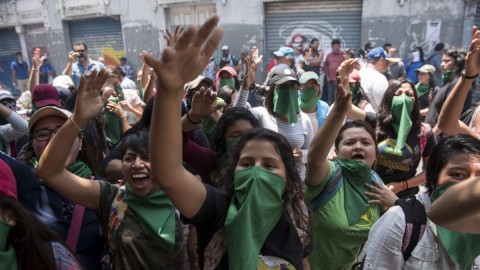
x=8, y=185
x=45, y=95
x=281, y=74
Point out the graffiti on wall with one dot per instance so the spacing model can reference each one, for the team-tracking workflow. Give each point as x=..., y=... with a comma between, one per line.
x=425, y=34
x=301, y=32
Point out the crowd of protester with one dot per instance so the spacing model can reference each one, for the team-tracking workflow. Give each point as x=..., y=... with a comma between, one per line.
x=350, y=161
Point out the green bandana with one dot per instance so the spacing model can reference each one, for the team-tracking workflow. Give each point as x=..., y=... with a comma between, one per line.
x=113, y=124
x=354, y=88
x=79, y=168
x=119, y=90
x=226, y=81
x=140, y=89
x=446, y=76
x=285, y=102
x=255, y=209
x=230, y=145
x=355, y=175
x=308, y=98
x=422, y=89
x=208, y=123
x=157, y=211
x=463, y=248
x=402, y=107
x=8, y=258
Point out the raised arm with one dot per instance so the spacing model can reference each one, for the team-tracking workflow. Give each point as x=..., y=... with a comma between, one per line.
x=34, y=78
x=51, y=167
x=250, y=69
x=71, y=58
x=449, y=119
x=318, y=167
x=179, y=64
x=459, y=207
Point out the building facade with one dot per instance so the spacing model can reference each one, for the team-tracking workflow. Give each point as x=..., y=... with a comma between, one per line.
x=113, y=29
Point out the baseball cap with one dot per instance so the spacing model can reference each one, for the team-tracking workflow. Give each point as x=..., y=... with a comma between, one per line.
x=309, y=75
x=224, y=48
x=44, y=95
x=63, y=81
x=281, y=74
x=379, y=52
x=426, y=69
x=47, y=111
x=195, y=83
x=284, y=51
x=8, y=185
x=354, y=76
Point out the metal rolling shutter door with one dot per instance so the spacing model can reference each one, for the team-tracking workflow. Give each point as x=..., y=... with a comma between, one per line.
x=9, y=45
x=321, y=19
x=103, y=37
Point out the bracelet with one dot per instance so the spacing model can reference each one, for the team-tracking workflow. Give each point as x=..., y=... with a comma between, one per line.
x=468, y=77
x=34, y=69
x=81, y=129
x=190, y=120
x=406, y=182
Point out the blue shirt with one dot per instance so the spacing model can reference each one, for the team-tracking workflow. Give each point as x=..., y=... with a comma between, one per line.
x=21, y=69
x=78, y=70
x=411, y=70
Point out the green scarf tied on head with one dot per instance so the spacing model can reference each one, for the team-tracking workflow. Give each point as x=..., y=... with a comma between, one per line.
x=308, y=98
x=402, y=107
x=8, y=257
x=355, y=174
x=255, y=209
x=230, y=145
x=79, y=168
x=422, y=89
x=226, y=81
x=463, y=248
x=446, y=76
x=285, y=102
x=157, y=211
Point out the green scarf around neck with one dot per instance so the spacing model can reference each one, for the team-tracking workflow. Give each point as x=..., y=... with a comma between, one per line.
x=308, y=98
x=113, y=124
x=463, y=248
x=355, y=175
x=8, y=257
x=446, y=76
x=285, y=102
x=402, y=107
x=255, y=209
x=422, y=89
x=79, y=168
x=157, y=211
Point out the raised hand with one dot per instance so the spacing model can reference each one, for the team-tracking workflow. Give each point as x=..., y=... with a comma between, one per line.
x=346, y=67
x=343, y=96
x=256, y=59
x=381, y=195
x=91, y=97
x=187, y=59
x=203, y=103
x=172, y=39
x=36, y=59
x=249, y=73
x=472, y=61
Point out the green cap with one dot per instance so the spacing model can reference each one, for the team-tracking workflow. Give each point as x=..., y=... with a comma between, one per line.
x=309, y=75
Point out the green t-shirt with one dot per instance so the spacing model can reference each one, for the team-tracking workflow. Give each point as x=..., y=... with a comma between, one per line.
x=336, y=243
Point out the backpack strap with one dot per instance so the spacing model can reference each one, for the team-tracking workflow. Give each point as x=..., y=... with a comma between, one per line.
x=416, y=220
x=331, y=188
x=424, y=137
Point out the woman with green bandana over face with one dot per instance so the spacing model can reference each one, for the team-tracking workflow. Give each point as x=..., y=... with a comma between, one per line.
x=454, y=160
x=335, y=190
x=48, y=205
x=143, y=230
x=25, y=243
x=402, y=138
x=309, y=100
x=261, y=216
x=426, y=87
x=282, y=112
x=226, y=76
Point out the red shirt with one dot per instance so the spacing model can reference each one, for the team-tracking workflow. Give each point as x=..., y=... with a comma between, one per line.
x=332, y=62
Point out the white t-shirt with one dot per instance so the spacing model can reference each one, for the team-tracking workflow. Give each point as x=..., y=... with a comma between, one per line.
x=374, y=84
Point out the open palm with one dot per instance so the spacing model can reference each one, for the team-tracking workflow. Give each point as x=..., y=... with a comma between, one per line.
x=90, y=99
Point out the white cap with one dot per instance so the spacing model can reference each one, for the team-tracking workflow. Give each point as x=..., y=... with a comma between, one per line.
x=224, y=48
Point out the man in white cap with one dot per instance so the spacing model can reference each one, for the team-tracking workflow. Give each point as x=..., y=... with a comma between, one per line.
x=227, y=58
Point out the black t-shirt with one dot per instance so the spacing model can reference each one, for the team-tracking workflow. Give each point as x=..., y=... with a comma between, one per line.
x=283, y=242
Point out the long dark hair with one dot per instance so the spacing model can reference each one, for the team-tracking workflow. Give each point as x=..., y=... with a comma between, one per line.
x=293, y=196
x=385, y=118
x=226, y=93
x=445, y=151
x=459, y=55
x=229, y=117
x=30, y=238
x=422, y=55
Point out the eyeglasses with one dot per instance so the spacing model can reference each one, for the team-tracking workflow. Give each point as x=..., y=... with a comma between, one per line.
x=45, y=134
x=80, y=51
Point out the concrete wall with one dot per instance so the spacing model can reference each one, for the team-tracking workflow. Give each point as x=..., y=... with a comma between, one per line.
x=408, y=23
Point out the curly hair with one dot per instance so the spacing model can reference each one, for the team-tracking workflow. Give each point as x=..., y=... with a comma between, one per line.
x=385, y=118
x=293, y=196
x=458, y=55
x=445, y=151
